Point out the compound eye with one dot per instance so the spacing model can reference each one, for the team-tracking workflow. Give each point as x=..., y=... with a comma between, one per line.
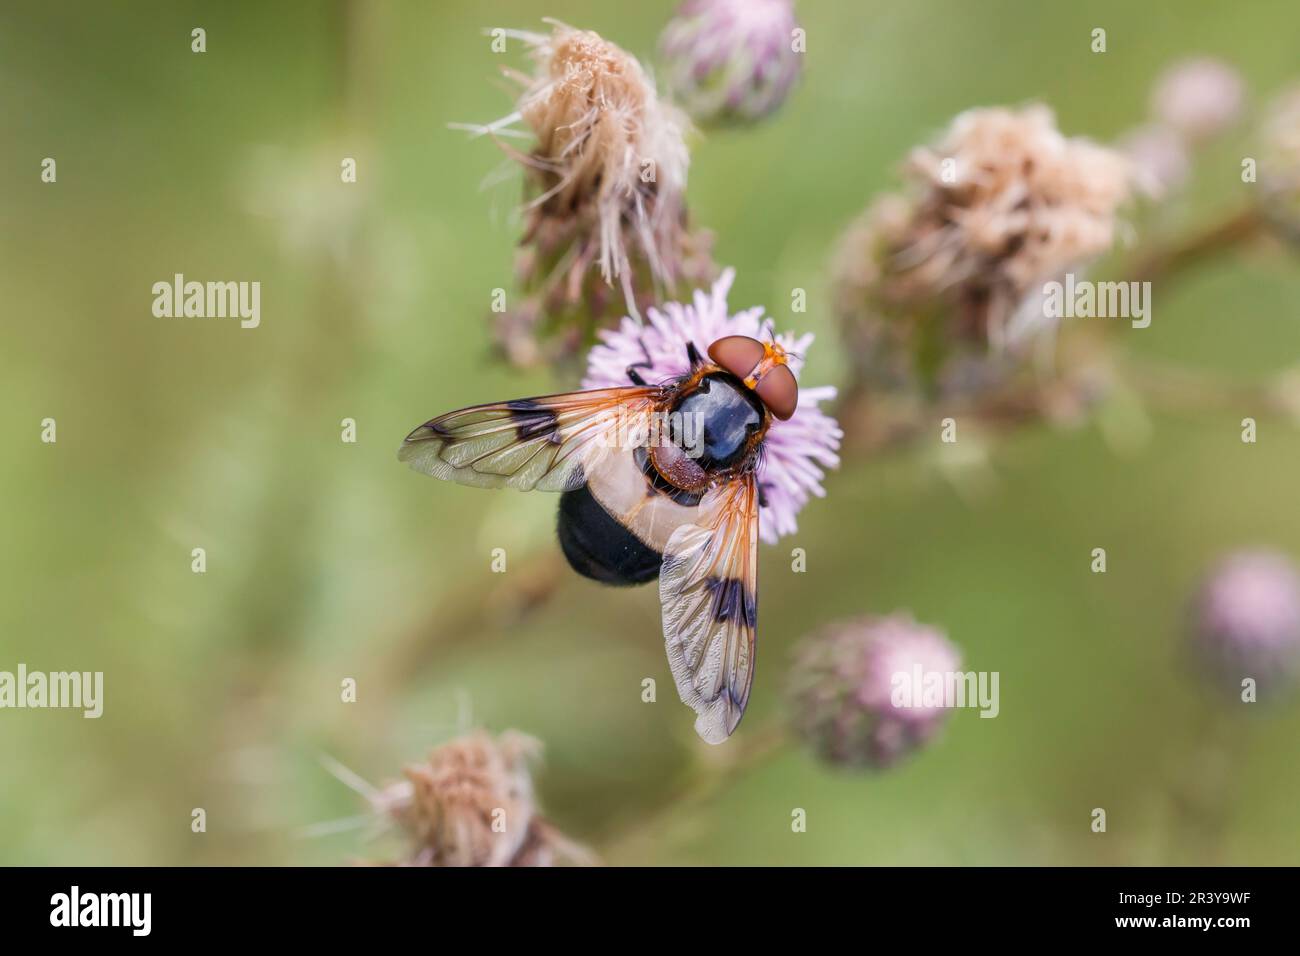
x=738, y=354
x=779, y=391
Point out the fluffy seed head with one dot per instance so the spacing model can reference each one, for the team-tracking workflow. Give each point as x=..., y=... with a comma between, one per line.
x=471, y=803
x=731, y=61
x=843, y=689
x=605, y=223
x=1026, y=204
x=598, y=120
x=1000, y=204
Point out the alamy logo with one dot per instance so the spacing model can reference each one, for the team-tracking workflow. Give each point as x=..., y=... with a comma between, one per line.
x=103, y=909
x=926, y=690
x=209, y=300
x=660, y=429
x=1083, y=299
x=56, y=689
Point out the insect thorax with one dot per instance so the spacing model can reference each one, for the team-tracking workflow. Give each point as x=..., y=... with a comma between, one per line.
x=717, y=425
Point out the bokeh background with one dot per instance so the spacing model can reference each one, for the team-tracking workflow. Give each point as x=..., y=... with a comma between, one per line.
x=329, y=560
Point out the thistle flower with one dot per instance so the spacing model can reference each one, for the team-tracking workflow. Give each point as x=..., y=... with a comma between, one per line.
x=471, y=803
x=731, y=60
x=843, y=689
x=1198, y=98
x=796, y=450
x=999, y=205
x=605, y=216
x=1246, y=620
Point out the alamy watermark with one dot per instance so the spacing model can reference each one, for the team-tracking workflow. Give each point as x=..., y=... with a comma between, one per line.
x=75, y=908
x=208, y=300
x=658, y=429
x=1083, y=299
x=929, y=690
x=82, y=690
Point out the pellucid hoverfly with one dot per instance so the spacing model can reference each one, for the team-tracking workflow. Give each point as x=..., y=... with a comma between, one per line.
x=654, y=480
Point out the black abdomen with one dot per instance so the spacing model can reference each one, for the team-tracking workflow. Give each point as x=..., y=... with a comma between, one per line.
x=599, y=547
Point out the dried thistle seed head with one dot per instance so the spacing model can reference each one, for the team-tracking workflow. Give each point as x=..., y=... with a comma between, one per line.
x=560, y=318
x=731, y=61
x=880, y=346
x=996, y=207
x=1019, y=204
x=842, y=689
x=1246, y=620
x=598, y=120
x=471, y=803
x=1198, y=98
x=606, y=229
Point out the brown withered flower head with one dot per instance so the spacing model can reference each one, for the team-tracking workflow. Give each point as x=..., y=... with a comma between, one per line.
x=471, y=803
x=605, y=229
x=1000, y=204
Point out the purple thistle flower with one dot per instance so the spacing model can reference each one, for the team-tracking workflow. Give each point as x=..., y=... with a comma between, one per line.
x=1246, y=619
x=795, y=451
x=731, y=60
x=843, y=685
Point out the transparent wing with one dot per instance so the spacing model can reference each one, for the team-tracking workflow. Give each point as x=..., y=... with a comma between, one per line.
x=709, y=590
x=549, y=443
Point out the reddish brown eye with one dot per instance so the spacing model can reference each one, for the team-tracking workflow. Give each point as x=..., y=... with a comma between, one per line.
x=779, y=391
x=738, y=354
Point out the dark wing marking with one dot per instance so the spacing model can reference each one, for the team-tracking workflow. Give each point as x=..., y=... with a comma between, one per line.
x=709, y=590
x=549, y=443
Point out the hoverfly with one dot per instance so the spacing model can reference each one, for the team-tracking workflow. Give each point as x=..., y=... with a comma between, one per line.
x=639, y=502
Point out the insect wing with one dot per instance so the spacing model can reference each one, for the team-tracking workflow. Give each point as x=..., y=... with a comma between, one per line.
x=708, y=589
x=549, y=443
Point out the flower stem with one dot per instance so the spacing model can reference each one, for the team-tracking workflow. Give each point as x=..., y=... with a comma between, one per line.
x=1219, y=236
x=741, y=755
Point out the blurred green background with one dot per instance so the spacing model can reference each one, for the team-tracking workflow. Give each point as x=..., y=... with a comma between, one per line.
x=329, y=560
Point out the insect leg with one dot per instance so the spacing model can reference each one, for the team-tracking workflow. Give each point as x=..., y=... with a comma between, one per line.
x=635, y=376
